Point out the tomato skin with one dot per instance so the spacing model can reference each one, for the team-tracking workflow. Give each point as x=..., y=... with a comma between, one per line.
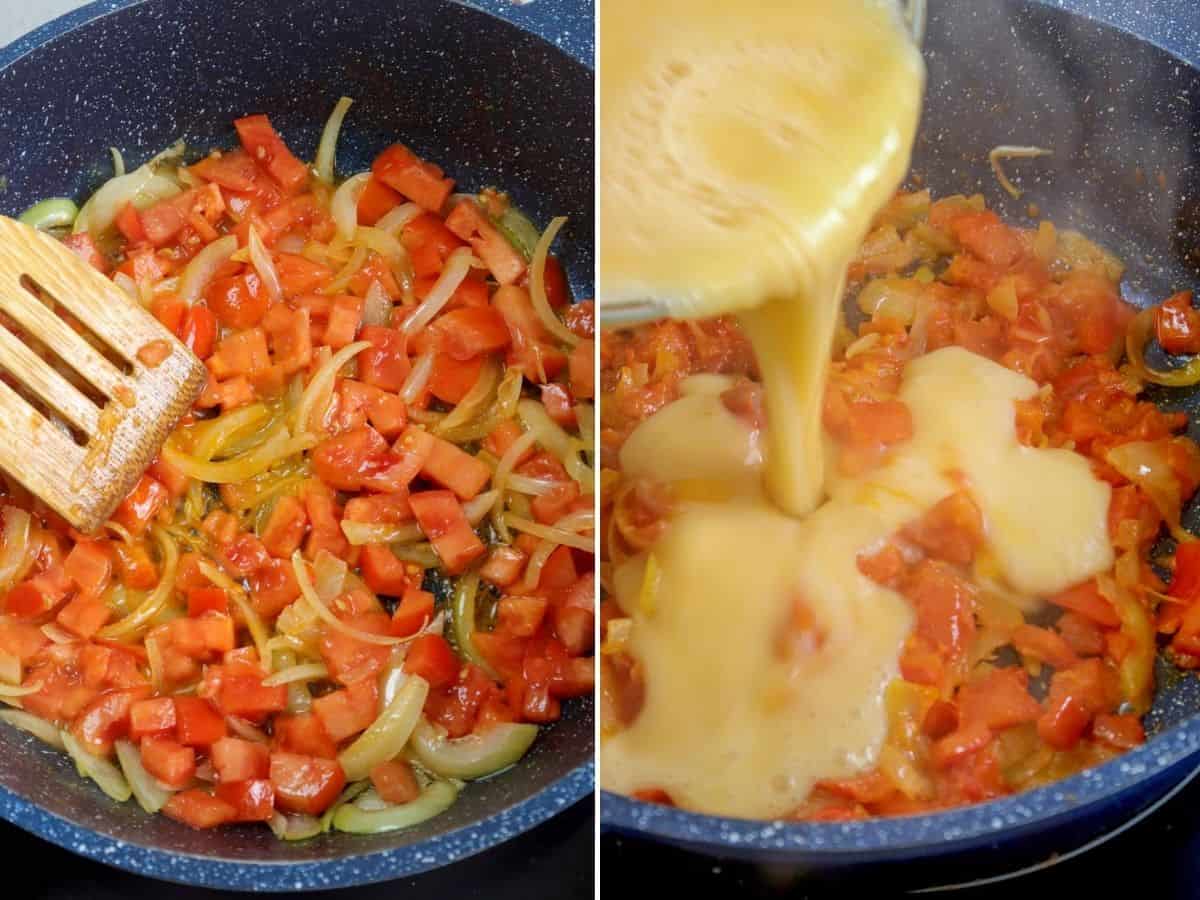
x=305, y=784
x=431, y=657
x=199, y=809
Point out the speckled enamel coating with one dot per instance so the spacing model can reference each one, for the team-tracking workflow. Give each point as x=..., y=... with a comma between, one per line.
x=1106, y=102
x=497, y=94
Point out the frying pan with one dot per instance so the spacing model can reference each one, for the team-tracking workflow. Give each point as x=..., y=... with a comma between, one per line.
x=498, y=95
x=1121, y=113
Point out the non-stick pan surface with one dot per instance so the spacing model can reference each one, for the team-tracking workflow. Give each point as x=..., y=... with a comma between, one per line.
x=495, y=103
x=1122, y=116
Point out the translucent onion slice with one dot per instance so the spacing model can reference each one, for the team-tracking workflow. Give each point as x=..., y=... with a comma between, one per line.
x=24, y=690
x=10, y=669
x=327, y=149
x=418, y=378
x=141, y=187
x=204, y=266
x=342, y=279
x=309, y=595
x=101, y=771
x=463, y=606
x=240, y=468
x=562, y=531
x=156, y=599
x=395, y=220
x=377, y=306
x=474, y=756
x=319, y=392
x=295, y=827
x=552, y=436
x=537, y=286
x=35, y=725
x=211, y=437
x=146, y=790
x=15, y=555
x=260, y=258
x=453, y=274
x=344, y=207
x=434, y=800
x=301, y=672
x=388, y=734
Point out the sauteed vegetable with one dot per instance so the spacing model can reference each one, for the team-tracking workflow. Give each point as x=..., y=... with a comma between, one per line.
x=997, y=691
x=360, y=571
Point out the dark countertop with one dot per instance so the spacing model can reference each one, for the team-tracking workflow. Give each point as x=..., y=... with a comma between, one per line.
x=555, y=861
x=1161, y=853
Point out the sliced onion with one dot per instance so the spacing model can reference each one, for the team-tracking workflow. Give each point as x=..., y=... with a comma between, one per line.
x=1136, y=337
x=309, y=596
x=16, y=556
x=10, y=669
x=128, y=285
x=475, y=756
x=395, y=220
x=12, y=690
x=260, y=258
x=418, y=378
x=523, y=484
x=476, y=399
x=118, y=162
x=377, y=305
x=1145, y=463
x=552, y=436
x=342, y=279
x=295, y=827
x=204, y=266
x=327, y=149
x=561, y=532
x=101, y=771
x=211, y=437
x=434, y=800
x=453, y=275
x=146, y=790
x=35, y=725
x=247, y=731
x=57, y=634
x=319, y=392
x=344, y=207
x=330, y=576
x=245, y=466
x=290, y=243
x=388, y=734
x=463, y=606
x=302, y=672
x=537, y=286
x=141, y=187
x=156, y=599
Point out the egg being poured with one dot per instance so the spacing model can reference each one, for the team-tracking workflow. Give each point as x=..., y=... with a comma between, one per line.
x=745, y=150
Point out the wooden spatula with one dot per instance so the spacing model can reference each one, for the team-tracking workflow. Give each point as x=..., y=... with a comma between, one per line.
x=82, y=477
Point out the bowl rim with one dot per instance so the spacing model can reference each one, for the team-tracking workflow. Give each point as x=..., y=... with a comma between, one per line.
x=351, y=869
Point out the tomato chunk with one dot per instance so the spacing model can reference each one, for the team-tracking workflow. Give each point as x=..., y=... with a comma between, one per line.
x=199, y=809
x=431, y=657
x=305, y=784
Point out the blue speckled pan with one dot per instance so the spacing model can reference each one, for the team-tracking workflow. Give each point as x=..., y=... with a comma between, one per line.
x=1122, y=114
x=499, y=95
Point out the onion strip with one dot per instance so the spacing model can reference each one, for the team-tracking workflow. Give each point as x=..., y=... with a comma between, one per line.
x=342, y=278
x=418, y=378
x=309, y=595
x=388, y=734
x=320, y=389
x=35, y=725
x=301, y=672
x=156, y=599
x=395, y=221
x=344, y=207
x=327, y=149
x=260, y=258
x=453, y=275
x=1136, y=338
x=1007, y=151
x=561, y=532
x=204, y=266
x=537, y=286
x=463, y=606
x=240, y=468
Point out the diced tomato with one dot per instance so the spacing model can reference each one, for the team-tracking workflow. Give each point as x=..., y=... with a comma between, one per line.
x=129, y=223
x=960, y=743
x=376, y=201
x=207, y=599
x=199, y=809
x=350, y=659
x=383, y=571
x=581, y=372
x=532, y=350
x=558, y=292
x=235, y=170
x=448, y=465
x=345, y=316
x=1044, y=645
x=273, y=587
x=169, y=761
x=84, y=615
x=1075, y=696
x=346, y=712
x=521, y=616
x=413, y=612
x=155, y=716
x=284, y=531
x=395, y=781
x=471, y=224
x=346, y=461
x=238, y=301
x=197, y=724
x=1087, y=600
x=1123, y=732
x=106, y=719
x=432, y=658
x=468, y=331
x=241, y=353
x=266, y=147
x=246, y=696
x=504, y=565
x=1000, y=699
x=450, y=380
x=254, y=800
x=422, y=182
x=429, y=243
x=305, y=735
x=239, y=760
x=443, y=521
x=291, y=337
x=385, y=364
x=84, y=246
x=1177, y=324
x=143, y=504
x=305, y=784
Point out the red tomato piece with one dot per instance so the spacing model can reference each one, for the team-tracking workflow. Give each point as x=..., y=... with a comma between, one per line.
x=199, y=809
x=305, y=735
x=431, y=657
x=383, y=571
x=413, y=612
x=376, y=201
x=169, y=761
x=266, y=147
x=155, y=716
x=443, y=521
x=471, y=224
x=468, y=331
x=385, y=364
x=254, y=800
x=143, y=504
x=305, y=784
x=197, y=724
x=239, y=760
x=395, y=781
x=423, y=182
